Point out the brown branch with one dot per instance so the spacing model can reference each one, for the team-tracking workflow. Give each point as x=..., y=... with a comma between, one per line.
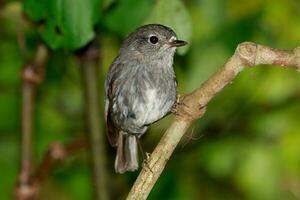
x=55, y=154
x=192, y=106
x=32, y=75
x=89, y=58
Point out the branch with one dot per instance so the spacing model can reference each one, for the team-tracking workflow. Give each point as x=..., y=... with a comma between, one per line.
x=89, y=57
x=55, y=154
x=32, y=75
x=192, y=106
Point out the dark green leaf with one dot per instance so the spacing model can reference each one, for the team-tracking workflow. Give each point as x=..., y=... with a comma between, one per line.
x=35, y=9
x=67, y=23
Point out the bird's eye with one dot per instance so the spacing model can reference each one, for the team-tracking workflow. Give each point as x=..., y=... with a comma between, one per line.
x=153, y=39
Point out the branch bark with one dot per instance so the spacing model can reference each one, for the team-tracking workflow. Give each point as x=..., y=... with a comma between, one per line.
x=192, y=106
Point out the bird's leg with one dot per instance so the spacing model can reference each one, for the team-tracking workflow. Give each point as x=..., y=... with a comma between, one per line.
x=178, y=98
x=174, y=107
x=145, y=155
x=146, y=162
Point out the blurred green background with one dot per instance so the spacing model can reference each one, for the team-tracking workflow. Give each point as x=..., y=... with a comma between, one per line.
x=247, y=146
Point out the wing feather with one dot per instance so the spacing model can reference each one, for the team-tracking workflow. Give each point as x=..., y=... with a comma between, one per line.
x=110, y=88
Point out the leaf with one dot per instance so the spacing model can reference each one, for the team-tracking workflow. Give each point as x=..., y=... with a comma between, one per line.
x=126, y=16
x=175, y=15
x=35, y=9
x=67, y=23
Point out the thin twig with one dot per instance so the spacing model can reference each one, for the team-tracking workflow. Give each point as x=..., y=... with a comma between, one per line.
x=55, y=154
x=89, y=58
x=192, y=106
x=32, y=75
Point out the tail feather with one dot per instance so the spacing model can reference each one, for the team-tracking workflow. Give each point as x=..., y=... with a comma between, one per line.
x=120, y=162
x=131, y=153
x=127, y=153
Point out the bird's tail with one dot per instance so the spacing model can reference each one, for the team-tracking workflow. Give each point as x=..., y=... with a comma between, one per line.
x=127, y=153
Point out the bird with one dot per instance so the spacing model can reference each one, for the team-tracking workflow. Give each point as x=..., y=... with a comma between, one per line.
x=140, y=89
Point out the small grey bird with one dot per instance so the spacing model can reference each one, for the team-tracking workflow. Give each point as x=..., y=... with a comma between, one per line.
x=141, y=88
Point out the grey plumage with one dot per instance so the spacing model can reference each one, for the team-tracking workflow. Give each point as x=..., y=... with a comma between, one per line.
x=141, y=88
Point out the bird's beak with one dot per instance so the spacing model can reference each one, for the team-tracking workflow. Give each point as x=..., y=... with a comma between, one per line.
x=176, y=43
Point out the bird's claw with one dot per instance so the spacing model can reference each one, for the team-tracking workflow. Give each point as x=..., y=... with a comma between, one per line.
x=174, y=109
x=146, y=162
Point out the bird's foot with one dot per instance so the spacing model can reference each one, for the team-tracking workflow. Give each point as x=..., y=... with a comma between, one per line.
x=178, y=98
x=174, y=109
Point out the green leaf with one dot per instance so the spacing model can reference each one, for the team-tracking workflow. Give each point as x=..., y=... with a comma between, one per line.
x=175, y=15
x=127, y=16
x=66, y=23
x=35, y=9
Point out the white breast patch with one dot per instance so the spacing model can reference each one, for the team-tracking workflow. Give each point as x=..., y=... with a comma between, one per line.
x=151, y=110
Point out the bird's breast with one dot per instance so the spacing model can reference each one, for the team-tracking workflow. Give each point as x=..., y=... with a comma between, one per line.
x=144, y=95
x=156, y=98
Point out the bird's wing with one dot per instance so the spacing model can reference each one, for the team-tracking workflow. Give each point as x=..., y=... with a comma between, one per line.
x=110, y=89
x=111, y=131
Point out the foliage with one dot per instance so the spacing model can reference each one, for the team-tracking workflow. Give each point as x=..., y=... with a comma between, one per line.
x=249, y=144
x=65, y=23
